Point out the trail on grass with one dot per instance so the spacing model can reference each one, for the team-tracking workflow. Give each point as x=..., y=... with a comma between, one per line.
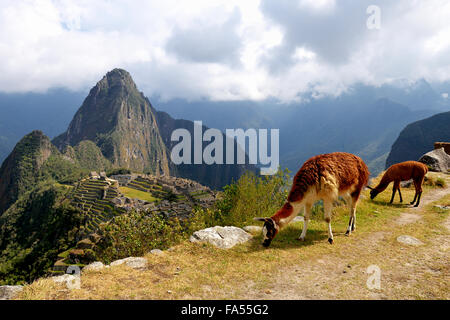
x=407, y=272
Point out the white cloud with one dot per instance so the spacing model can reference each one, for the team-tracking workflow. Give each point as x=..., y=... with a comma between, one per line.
x=221, y=50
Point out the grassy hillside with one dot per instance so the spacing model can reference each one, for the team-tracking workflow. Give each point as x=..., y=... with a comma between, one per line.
x=295, y=270
x=34, y=230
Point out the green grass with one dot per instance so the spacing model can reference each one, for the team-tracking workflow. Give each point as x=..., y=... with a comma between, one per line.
x=136, y=194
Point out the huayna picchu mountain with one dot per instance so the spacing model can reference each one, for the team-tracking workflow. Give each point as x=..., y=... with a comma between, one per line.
x=131, y=134
x=120, y=120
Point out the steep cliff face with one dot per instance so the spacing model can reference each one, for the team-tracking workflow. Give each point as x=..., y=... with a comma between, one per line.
x=214, y=176
x=419, y=137
x=120, y=121
x=21, y=168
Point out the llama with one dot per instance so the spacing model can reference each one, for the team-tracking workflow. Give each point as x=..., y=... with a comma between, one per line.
x=325, y=177
x=402, y=172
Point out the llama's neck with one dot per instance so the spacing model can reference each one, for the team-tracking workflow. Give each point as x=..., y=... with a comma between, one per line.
x=286, y=214
x=383, y=183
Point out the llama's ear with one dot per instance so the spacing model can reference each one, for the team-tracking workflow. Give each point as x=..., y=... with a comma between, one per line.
x=259, y=219
x=369, y=187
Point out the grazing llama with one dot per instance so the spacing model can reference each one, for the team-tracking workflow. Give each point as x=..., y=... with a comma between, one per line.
x=402, y=172
x=325, y=177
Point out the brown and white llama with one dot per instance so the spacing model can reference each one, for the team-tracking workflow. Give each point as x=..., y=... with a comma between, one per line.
x=402, y=172
x=324, y=177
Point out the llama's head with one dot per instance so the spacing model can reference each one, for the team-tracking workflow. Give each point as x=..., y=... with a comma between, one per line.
x=373, y=192
x=269, y=230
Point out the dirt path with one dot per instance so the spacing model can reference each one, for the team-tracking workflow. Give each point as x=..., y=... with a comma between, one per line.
x=406, y=272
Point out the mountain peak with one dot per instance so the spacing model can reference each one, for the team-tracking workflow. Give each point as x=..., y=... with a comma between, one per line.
x=120, y=121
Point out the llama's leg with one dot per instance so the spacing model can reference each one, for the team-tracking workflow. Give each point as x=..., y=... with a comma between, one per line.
x=394, y=189
x=418, y=199
x=419, y=191
x=327, y=208
x=415, y=197
x=308, y=207
x=399, y=193
x=352, y=220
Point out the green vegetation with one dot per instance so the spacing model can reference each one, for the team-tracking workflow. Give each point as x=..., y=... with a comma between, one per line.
x=116, y=171
x=33, y=231
x=251, y=196
x=89, y=156
x=137, y=194
x=136, y=233
x=434, y=181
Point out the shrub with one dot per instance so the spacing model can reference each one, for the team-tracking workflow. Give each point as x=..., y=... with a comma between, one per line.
x=434, y=182
x=251, y=196
x=136, y=233
x=117, y=171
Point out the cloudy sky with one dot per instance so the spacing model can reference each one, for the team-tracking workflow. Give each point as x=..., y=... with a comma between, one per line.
x=222, y=49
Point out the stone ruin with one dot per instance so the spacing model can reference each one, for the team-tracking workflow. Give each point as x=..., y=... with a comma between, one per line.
x=445, y=145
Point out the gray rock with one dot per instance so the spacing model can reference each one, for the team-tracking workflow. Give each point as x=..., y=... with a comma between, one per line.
x=65, y=278
x=132, y=262
x=411, y=241
x=221, y=237
x=437, y=160
x=94, y=266
x=442, y=207
x=253, y=229
x=9, y=292
x=406, y=184
x=157, y=252
x=298, y=219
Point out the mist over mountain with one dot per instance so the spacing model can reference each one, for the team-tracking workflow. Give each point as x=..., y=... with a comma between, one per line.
x=21, y=113
x=366, y=120
x=315, y=125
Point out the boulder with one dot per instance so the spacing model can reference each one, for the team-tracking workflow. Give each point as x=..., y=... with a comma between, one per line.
x=157, y=252
x=9, y=292
x=65, y=278
x=132, y=262
x=94, y=266
x=411, y=241
x=298, y=219
x=437, y=160
x=253, y=229
x=221, y=237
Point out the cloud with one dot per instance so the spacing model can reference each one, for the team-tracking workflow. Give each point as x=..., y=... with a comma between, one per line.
x=210, y=43
x=222, y=50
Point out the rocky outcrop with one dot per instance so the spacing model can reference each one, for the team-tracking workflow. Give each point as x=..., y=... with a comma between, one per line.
x=120, y=121
x=9, y=292
x=437, y=160
x=221, y=237
x=94, y=266
x=445, y=145
x=132, y=262
x=410, y=241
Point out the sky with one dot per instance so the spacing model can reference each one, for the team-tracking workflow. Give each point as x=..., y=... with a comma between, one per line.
x=223, y=50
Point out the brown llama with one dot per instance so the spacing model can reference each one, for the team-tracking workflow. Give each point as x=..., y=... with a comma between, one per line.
x=402, y=172
x=325, y=177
